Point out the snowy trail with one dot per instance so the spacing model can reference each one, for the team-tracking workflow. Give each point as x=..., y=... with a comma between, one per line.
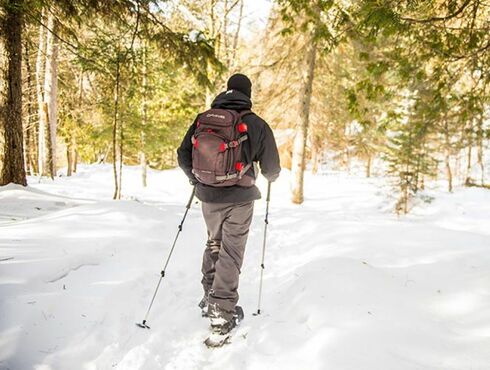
x=347, y=284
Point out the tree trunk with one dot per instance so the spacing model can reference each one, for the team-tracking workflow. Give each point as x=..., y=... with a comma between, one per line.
x=30, y=124
x=299, y=148
x=213, y=35
x=73, y=135
x=226, y=57
x=144, y=114
x=121, y=156
x=480, y=149
x=368, y=166
x=314, y=159
x=49, y=161
x=41, y=156
x=406, y=191
x=12, y=168
x=51, y=90
x=448, y=172
x=114, y=134
x=69, y=159
x=237, y=33
x=457, y=167
x=447, y=157
x=71, y=155
x=468, y=163
x=75, y=159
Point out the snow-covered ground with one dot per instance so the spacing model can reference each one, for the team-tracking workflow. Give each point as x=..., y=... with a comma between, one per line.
x=348, y=285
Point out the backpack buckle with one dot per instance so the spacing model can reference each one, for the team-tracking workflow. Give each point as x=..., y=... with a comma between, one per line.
x=233, y=144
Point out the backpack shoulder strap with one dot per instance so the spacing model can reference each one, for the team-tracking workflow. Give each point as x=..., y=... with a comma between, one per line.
x=243, y=113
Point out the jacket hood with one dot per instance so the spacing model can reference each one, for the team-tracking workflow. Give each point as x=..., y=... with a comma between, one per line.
x=232, y=99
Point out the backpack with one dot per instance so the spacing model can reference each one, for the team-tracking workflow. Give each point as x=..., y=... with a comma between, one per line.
x=217, y=149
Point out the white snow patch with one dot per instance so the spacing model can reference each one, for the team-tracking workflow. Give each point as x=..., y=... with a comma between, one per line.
x=348, y=285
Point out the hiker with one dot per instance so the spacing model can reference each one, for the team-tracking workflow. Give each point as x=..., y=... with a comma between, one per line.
x=219, y=154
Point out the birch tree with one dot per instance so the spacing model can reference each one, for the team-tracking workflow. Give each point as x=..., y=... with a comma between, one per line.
x=320, y=22
x=301, y=135
x=50, y=103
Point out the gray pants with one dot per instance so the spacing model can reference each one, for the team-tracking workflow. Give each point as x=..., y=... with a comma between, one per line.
x=228, y=225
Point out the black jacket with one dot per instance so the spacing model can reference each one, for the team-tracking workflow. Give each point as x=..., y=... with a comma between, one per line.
x=260, y=147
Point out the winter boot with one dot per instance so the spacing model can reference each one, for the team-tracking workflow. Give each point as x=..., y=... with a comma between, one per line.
x=222, y=326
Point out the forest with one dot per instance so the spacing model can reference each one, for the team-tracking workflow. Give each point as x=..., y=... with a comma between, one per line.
x=400, y=87
x=368, y=249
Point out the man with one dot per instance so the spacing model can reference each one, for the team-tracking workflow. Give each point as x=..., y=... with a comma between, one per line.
x=227, y=200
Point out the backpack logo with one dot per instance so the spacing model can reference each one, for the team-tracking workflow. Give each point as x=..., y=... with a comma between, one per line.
x=215, y=116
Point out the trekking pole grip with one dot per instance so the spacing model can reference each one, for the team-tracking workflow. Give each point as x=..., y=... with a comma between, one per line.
x=268, y=199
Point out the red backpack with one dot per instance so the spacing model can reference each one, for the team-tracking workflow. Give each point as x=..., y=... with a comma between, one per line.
x=217, y=142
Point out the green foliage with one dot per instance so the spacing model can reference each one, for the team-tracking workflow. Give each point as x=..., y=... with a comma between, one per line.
x=137, y=44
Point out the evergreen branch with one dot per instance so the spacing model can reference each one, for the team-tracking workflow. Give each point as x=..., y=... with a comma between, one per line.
x=73, y=49
x=439, y=19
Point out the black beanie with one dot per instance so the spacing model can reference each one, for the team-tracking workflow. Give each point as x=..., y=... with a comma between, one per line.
x=241, y=83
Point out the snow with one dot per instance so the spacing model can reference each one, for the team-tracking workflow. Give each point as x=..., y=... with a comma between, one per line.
x=348, y=284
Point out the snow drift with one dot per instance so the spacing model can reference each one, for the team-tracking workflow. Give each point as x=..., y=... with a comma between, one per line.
x=348, y=285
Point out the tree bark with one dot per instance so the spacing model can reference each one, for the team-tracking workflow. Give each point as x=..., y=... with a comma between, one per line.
x=114, y=134
x=214, y=36
x=479, y=155
x=448, y=173
x=368, y=166
x=237, y=33
x=225, y=34
x=51, y=90
x=73, y=139
x=30, y=124
x=447, y=157
x=121, y=156
x=48, y=143
x=468, y=163
x=40, y=99
x=314, y=159
x=69, y=160
x=75, y=160
x=144, y=114
x=12, y=168
x=299, y=147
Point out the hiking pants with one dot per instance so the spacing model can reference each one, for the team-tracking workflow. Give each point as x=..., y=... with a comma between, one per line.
x=228, y=225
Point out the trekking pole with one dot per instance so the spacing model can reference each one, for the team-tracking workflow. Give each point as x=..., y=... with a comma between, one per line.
x=162, y=273
x=262, y=266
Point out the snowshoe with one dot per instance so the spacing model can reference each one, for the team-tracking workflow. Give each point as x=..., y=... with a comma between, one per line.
x=221, y=330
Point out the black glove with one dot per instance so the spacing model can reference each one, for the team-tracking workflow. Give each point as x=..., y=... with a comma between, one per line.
x=272, y=178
